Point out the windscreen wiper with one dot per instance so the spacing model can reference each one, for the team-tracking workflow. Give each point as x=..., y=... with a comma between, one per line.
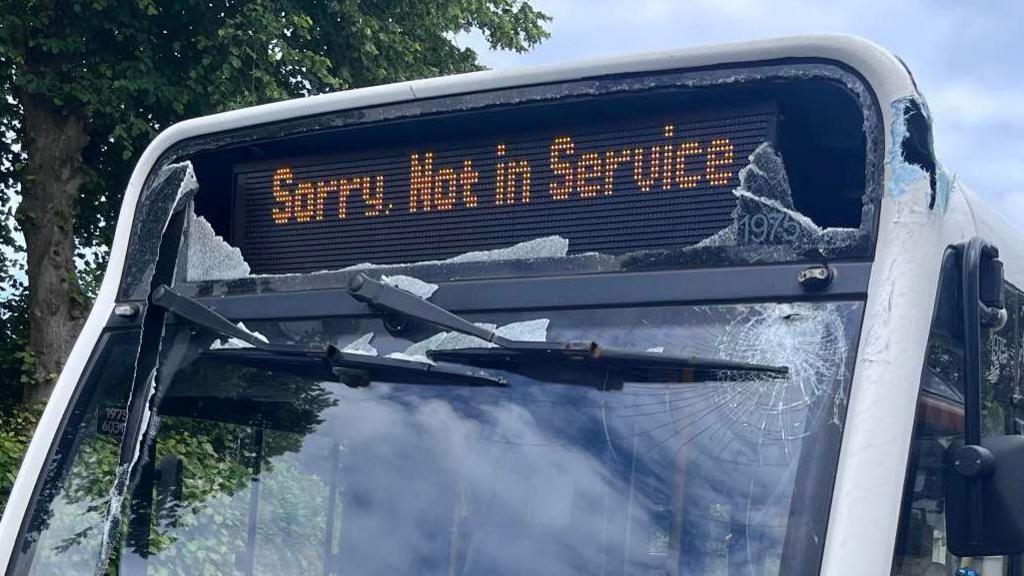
x=548, y=360
x=354, y=370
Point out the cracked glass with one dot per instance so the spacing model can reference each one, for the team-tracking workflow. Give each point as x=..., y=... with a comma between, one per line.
x=252, y=471
x=257, y=471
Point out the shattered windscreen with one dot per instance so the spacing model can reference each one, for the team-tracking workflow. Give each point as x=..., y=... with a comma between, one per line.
x=258, y=470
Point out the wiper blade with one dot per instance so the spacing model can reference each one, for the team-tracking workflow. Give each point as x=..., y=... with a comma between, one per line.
x=591, y=353
x=537, y=358
x=587, y=363
x=354, y=370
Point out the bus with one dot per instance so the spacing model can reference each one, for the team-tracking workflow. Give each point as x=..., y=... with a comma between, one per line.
x=710, y=311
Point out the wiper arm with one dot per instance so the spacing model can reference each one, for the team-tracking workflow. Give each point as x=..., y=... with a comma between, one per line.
x=536, y=358
x=354, y=370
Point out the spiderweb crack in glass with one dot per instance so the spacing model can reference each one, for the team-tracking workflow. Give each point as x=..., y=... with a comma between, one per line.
x=811, y=342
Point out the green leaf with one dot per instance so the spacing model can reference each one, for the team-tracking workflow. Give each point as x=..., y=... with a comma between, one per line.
x=118, y=72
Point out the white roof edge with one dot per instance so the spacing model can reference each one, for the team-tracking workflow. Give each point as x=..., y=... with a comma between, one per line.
x=882, y=70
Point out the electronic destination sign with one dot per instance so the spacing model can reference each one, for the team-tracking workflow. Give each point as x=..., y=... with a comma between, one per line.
x=649, y=183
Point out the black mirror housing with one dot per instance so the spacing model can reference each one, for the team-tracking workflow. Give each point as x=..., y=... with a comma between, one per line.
x=993, y=526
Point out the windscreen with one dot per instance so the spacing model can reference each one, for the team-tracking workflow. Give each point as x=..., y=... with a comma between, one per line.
x=260, y=465
x=263, y=470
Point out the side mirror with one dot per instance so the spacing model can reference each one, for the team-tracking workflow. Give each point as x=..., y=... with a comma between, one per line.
x=984, y=479
x=994, y=524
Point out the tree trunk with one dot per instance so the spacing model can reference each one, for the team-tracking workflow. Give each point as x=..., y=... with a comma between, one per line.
x=54, y=139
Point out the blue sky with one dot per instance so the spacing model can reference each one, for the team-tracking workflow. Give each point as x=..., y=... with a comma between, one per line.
x=967, y=57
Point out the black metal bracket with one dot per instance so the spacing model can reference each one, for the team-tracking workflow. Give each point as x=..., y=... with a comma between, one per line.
x=981, y=281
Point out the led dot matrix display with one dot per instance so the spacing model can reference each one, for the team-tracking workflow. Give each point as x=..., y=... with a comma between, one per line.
x=648, y=183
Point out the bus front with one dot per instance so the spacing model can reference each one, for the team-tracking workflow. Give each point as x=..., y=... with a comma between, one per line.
x=592, y=320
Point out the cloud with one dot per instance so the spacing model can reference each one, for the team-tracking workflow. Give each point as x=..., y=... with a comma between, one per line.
x=964, y=56
x=1011, y=203
x=974, y=105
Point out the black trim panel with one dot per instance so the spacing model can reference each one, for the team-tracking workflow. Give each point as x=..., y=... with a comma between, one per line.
x=738, y=284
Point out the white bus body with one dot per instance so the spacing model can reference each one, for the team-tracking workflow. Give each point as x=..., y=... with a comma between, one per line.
x=913, y=231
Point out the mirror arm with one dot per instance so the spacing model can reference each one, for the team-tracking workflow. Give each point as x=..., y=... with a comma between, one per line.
x=981, y=281
x=970, y=281
x=981, y=291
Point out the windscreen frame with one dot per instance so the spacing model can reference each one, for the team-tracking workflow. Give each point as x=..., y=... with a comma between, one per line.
x=790, y=70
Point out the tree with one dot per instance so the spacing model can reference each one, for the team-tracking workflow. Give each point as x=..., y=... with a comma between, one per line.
x=89, y=82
